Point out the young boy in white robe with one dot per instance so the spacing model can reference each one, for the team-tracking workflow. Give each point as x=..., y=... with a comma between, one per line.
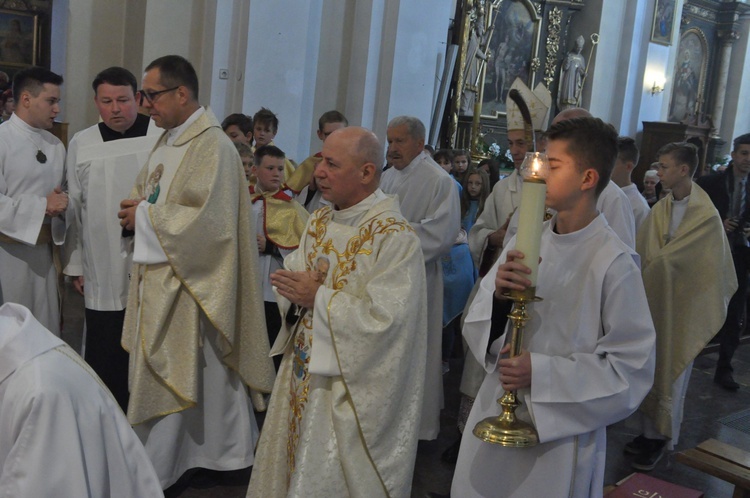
x=588, y=351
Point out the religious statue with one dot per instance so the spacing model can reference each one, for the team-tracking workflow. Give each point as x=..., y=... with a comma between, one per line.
x=571, y=77
x=476, y=56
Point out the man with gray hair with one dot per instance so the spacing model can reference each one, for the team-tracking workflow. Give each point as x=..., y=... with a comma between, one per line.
x=344, y=416
x=429, y=200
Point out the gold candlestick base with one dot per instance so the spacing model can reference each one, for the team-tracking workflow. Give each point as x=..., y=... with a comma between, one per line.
x=506, y=429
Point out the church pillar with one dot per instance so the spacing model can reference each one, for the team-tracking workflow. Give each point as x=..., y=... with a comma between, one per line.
x=727, y=38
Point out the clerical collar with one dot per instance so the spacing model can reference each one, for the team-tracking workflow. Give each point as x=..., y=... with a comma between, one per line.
x=175, y=133
x=138, y=129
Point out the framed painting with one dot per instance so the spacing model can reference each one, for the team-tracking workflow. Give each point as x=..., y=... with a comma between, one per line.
x=689, y=78
x=19, y=32
x=661, y=29
x=513, y=28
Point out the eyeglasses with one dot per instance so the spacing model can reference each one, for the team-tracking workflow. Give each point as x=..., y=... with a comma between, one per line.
x=152, y=96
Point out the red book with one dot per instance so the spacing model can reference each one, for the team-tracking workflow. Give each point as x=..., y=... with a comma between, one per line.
x=644, y=486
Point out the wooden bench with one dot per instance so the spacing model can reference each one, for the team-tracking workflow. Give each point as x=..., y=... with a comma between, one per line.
x=721, y=460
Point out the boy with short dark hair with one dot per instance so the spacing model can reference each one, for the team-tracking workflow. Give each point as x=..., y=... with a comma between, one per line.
x=280, y=224
x=588, y=353
x=303, y=176
x=265, y=127
x=683, y=248
x=238, y=127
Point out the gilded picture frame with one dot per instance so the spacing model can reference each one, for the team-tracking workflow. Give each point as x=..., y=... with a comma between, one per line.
x=663, y=23
x=689, y=79
x=19, y=39
x=514, y=30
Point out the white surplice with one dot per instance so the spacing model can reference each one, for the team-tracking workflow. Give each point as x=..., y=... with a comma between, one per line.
x=638, y=203
x=61, y=432
x=613, y=203
x=344, y=415
x=429, y=200
x=100, y=175
x=591, y=341
x=27, y=273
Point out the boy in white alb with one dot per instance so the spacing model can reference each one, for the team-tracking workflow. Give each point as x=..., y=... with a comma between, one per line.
x=588, y=352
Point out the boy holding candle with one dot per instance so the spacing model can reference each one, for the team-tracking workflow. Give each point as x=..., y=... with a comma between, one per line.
x=587, y=354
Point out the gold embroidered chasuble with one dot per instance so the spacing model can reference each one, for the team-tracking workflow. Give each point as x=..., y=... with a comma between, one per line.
x=344, y=416
x=689, y=281
x=208, y=234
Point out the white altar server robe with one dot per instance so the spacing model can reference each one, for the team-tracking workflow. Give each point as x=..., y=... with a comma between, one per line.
x=429, y=200
x=591, y=341
x=61, y=431
x=100, y=175
x=27, y=274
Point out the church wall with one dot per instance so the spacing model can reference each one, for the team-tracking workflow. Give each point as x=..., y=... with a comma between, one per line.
x=181, y=27
x=135, y=25
x=91, y=45
x=368, y=81
x=417, y=61
x=630, y=69
x=97, y=34
x=281, y=67
x=334, y=60
x=659, y=63
x=371, y=59
x=230, y=55
x=59, y=41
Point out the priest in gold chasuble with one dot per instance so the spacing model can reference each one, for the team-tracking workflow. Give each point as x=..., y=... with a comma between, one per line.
x=194, y=325
x=344, y=415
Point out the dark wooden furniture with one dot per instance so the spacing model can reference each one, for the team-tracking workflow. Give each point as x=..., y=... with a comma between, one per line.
x=657, y=134
x=721, y=460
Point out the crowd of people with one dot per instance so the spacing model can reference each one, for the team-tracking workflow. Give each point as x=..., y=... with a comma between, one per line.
x=331, y=294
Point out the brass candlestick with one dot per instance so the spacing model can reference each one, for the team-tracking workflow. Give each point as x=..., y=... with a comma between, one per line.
x=506, y=429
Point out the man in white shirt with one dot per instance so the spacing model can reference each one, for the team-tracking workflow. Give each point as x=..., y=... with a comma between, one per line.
x=32, y=201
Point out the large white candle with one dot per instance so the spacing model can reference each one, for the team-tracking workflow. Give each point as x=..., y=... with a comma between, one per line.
x=531, y=212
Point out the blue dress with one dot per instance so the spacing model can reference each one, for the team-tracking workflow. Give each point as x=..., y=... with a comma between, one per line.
x=459, y=273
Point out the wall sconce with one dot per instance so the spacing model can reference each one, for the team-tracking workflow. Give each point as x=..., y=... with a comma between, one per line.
x=658, y=85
